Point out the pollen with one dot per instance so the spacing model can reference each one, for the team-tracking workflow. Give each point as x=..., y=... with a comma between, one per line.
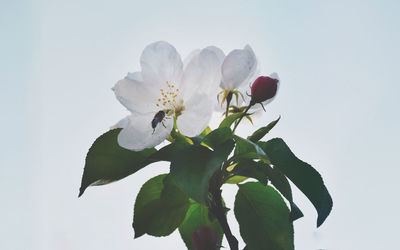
x=168, y=96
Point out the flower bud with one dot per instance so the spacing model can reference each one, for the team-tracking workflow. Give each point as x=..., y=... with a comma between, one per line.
x=264, y=88
x=204, y=239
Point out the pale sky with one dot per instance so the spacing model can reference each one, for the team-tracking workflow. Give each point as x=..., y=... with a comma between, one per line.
x=338, y=62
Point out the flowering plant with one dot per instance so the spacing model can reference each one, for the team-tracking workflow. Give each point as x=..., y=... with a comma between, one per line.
x=170, y=100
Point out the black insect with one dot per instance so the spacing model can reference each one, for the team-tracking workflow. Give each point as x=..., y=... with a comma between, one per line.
x=158, y=118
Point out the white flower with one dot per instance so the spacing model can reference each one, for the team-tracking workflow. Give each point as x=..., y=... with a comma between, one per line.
x=238, y=69
x=164, y=89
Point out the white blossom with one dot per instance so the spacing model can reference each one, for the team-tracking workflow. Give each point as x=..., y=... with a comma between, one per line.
x=238, y=68
x=185, y=92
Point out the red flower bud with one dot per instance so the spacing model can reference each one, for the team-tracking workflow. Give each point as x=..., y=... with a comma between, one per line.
x=204, y=239
x=264, y=88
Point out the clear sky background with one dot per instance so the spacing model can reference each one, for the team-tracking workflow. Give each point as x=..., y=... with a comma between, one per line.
x=338, y=62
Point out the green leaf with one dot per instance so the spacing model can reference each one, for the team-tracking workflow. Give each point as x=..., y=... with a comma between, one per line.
x=252, y=169
x=261, y=132
x=246, y=149
x=200, y=137
x=160, y=207
x=228, y=121
x=281, y=183
x=305, y=177
x=206, y=131
x=176, y=135
x=167, y=153
x=236, y=179
x=263, y=172
x=197, y=216
x=195, y=165
x=218, y=137
x=106, y=161
x=263, y=218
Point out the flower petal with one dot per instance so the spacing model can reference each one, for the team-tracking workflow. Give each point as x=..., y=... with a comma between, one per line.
x=201, y=74
x=196, y=116
x=138, y=133
x=136, y=76
x=189, y=57
x=136, y=96
x=160, y=62
x=121, y=123
x=218, y=52
x=238, y=67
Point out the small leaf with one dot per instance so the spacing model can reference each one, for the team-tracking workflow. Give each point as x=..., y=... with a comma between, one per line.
x=206, y=131
x=263, y=218
x=196, y=217
x=106, y=161
x=246, y=149
x=261, y=132
x=305, y=177
x=249, y=168
x=228, y=121
x=195, y=165
x=236, y=179
x=218, y=137
x=199, y=138
x=160, y=207
x=244, y=146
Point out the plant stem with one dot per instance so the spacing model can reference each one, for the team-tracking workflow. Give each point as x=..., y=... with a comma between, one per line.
x=219, y=212
x=228, y=102
x=244, y=114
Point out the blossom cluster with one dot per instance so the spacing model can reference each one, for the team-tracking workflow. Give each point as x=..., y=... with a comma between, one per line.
x=169, y=92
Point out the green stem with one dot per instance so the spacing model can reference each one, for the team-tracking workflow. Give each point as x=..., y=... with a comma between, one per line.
x=228, y=102
x=219, y=213
x=217, y=208
x=243, y=115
